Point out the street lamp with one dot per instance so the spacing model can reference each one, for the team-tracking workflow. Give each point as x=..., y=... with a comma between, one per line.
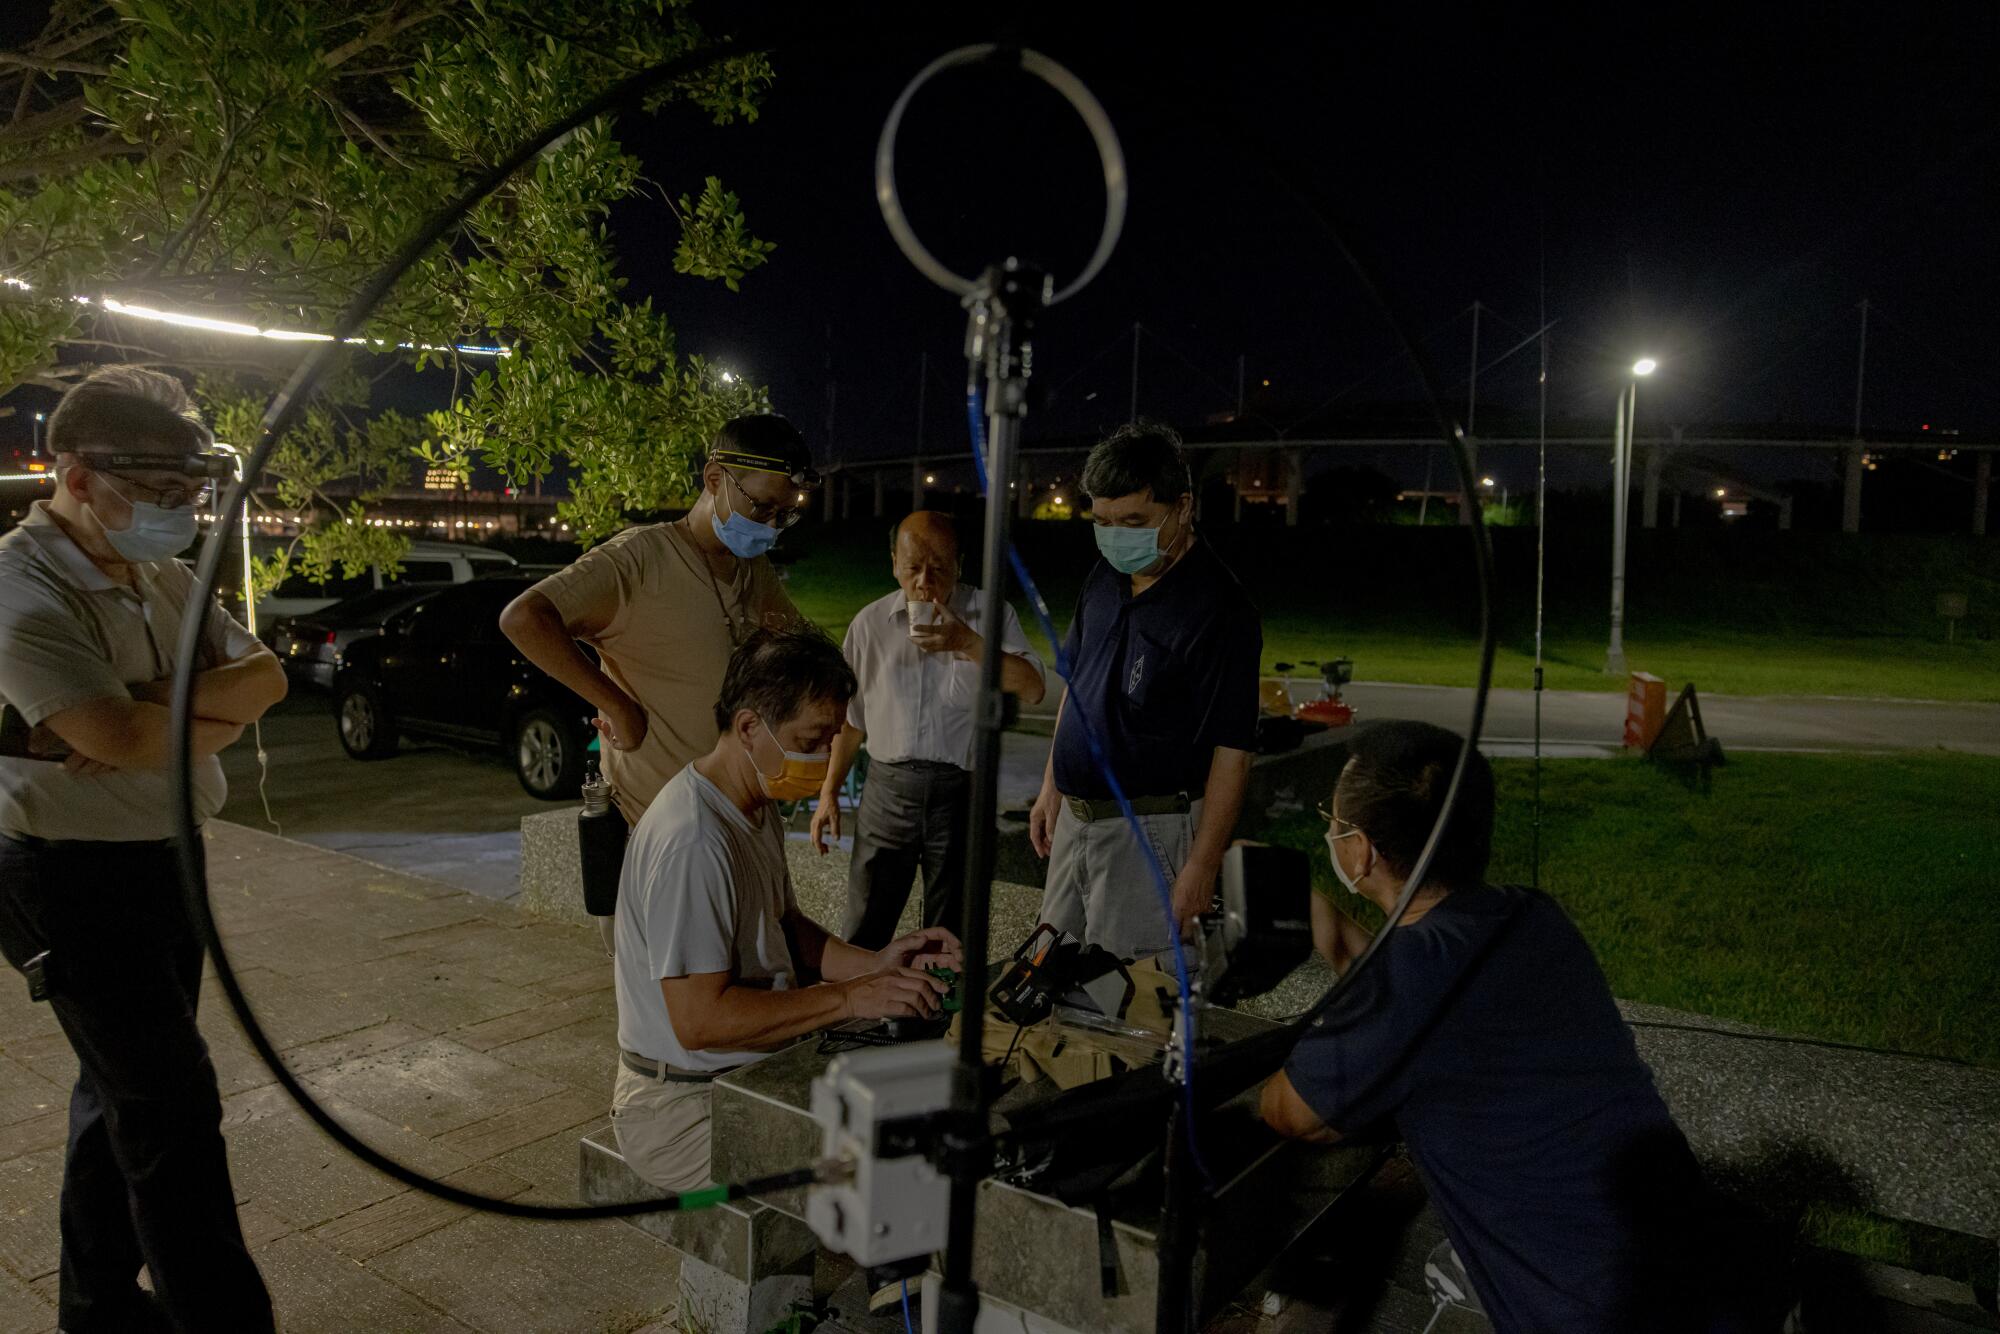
x=36, y=452
x=1622, y=434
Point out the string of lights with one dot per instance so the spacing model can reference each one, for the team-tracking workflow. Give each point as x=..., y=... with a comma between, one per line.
x=238, y=329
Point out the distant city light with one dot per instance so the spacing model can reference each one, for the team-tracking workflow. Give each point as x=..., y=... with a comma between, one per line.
x=1056, y=499
x=729, y=377
x=929, y=479
x=1645, y=366
x=1720, y=493
x=1486, y=481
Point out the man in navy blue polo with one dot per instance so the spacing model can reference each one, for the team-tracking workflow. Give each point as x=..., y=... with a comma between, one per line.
x=1484, y=1034
x=1163, y=657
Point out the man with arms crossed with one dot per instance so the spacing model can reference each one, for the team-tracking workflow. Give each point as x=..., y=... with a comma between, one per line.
x=91, y=605
x=1163, y=656
x=716, y=965
x=918, y=681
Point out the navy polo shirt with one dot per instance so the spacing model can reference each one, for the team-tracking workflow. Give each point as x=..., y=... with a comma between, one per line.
x=1164, y=678
x=1485, y=1033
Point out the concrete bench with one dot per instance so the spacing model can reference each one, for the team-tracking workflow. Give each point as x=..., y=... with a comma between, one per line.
x=743, y=1265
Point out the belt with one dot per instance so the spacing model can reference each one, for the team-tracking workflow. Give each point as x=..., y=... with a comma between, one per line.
x=666, y=1070
x=940, y=768
x=1087, y=811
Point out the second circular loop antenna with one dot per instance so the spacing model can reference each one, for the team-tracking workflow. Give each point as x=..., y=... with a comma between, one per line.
x=1110, y=155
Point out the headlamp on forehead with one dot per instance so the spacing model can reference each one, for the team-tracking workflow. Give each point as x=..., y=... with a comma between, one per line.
x=798, y=475
x=192, y=463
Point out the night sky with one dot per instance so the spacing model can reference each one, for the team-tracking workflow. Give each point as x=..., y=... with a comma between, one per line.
x=1715, y=187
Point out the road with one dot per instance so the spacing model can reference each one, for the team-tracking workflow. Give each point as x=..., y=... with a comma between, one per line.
x=455, y=816
x=1583, y=722
x=430, y=810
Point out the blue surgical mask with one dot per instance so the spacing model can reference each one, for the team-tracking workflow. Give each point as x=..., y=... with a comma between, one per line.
x=1130, y=550
x=746, y=538
x=155, y=533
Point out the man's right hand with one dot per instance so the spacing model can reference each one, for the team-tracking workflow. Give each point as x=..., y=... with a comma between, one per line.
x=624, y=725
x=1042, y=820
x=893, y=993
x=825, y=822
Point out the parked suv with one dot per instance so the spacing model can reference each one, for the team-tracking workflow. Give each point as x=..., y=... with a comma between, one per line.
x=424, y=563
x=312, y=645
x=441, y=668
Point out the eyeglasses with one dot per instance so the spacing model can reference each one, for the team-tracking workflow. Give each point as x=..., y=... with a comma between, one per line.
x=1327, y=814
x=763, y=511
x=167, y=498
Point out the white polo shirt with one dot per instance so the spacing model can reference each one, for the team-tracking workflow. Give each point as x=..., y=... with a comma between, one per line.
x=916, y=705
x=70, y=634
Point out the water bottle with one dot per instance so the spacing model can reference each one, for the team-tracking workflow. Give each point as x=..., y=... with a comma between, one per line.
x=600, y=841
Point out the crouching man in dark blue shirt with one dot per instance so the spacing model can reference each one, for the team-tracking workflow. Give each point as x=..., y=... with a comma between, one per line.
x=1485, y=1035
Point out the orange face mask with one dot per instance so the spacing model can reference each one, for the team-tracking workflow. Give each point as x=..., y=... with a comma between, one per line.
x=801, y=776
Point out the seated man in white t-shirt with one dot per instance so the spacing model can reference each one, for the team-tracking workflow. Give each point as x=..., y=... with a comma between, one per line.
x=716, y=965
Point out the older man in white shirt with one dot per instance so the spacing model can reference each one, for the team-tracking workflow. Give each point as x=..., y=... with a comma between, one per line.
x=917, y=657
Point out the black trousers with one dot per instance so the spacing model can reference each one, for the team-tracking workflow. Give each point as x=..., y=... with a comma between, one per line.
x=912, y=817
x=146, y=1175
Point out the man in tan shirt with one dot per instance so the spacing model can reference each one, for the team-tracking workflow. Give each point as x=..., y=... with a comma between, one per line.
x=665, y=605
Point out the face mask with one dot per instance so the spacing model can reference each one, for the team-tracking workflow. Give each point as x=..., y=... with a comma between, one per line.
x=155, y=532
x=746, y=538
x=801, y=776
x=1130, y=550
x=1333, y=855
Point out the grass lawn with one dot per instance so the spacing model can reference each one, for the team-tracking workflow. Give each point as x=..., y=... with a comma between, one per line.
x=1418, y=632
x=1719, y=663
x=1844, y=897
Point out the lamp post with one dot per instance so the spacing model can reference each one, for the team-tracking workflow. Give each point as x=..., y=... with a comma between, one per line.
x=1621, y=477
x=36, y=452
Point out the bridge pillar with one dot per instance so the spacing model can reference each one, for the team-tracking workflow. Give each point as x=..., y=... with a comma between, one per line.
x=1850, y=498
x=1295, y=484
x=881, y=502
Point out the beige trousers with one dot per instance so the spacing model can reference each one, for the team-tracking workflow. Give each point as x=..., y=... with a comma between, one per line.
x=662, y=1129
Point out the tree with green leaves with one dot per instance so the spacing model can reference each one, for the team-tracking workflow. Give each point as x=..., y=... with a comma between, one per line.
x=255, y=161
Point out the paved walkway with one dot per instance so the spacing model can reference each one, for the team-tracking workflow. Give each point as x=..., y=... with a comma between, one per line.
x=450, y=1031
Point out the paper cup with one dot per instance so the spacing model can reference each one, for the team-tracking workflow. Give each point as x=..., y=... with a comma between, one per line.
x=923, y=615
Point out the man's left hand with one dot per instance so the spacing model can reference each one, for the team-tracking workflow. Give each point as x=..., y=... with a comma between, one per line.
x=932, y=947
x=949, y=634
x=1194, y=893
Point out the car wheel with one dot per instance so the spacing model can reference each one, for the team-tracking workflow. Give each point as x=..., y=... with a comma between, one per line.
x=548, y=757
x=367, y=732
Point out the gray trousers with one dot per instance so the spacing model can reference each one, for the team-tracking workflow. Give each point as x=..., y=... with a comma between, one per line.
x=912, y=817
x=1101, y=888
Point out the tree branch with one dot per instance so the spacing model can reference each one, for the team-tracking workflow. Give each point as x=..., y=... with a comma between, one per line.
x=381, y=34
x=16, y=59
x=60, y=116
x=31, y=168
